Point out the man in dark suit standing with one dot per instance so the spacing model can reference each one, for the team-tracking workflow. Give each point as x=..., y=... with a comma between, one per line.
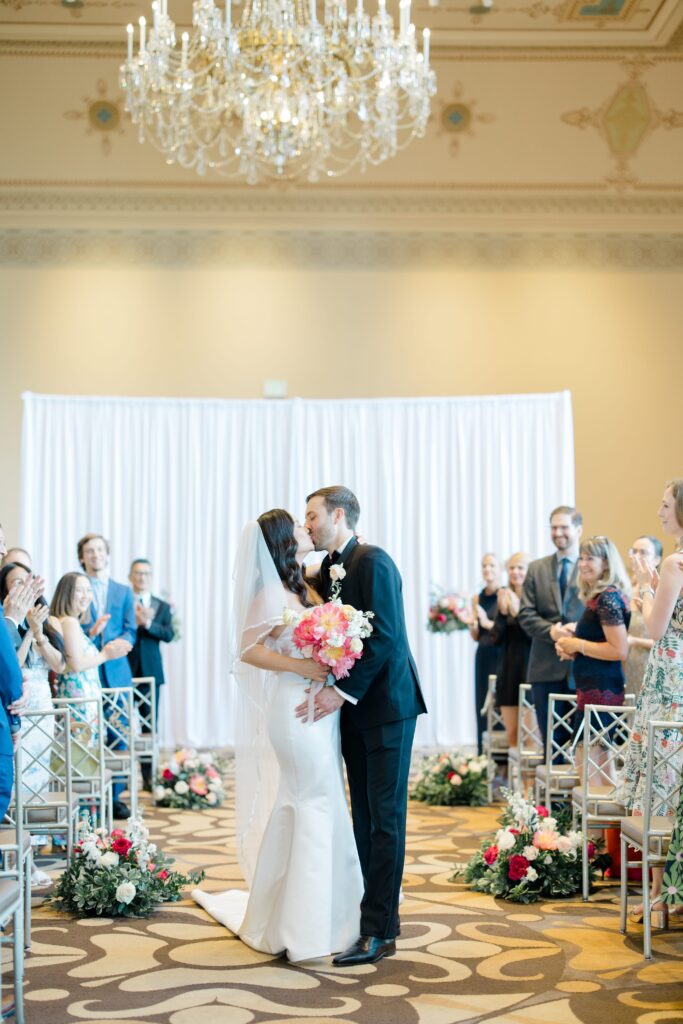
x=549, y=609
x=111, y=616
x=155, y=626
x=379, y=702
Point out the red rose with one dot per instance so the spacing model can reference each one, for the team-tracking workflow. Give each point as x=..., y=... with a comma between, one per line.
x=121, y=846
x=441, y=617
x=517, y=867
x=591, y=851
x=514, y=831
x=491, y=855
x=449, y=775
x=167, y=775
x=162, y=875
x=542, y=811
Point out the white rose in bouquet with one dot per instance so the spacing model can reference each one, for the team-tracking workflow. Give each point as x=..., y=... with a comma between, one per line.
x=564, y=844
x=211, y=798
x=530, y=852
x=531, y=874
x=181, y=787
x=463, y=769
x=505, y=840
x=168, y=792
x=109, y=859
x=356, y=645
x=160, y=792
x=125, y=893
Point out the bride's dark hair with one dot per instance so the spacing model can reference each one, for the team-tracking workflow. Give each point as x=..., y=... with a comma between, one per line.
x=277, y=527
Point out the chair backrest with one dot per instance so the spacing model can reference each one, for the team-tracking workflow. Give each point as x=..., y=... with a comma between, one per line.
x=606, y=732
x=144, y=696
x=494, y=717
x=663, y=770
x=117, y=702
x=528, y=737
x=560, y=734
x=87, y=751
x=50, y=750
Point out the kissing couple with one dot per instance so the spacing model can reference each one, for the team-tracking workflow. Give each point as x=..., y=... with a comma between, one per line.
x=316, y=886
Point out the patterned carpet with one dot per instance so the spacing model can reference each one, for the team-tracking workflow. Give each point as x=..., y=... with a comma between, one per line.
x=462, y=956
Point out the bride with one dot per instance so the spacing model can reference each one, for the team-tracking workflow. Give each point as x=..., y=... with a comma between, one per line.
x=295, y=842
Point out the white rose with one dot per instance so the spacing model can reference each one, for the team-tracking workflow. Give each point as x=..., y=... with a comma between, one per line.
x=211, y=798
x=549, y=825
x=564, y=844
x=168, y=792
x=109, y=859
x=181, y=787
x=126, y=892
x=356, y=645
x=443, y=603
x=190, y=765
x=547, y=859
x=505, y=839
x=455, y=780
x=463, y=769
x=160, y=792
x=576, y=838
x=530, y=852
x=531, y=874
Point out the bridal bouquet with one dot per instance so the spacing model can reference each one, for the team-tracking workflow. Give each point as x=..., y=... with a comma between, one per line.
x=531, y=856
x=190, y=781
x=448, y=780
x=119, y=874
x=448, y=612
x=332, y=634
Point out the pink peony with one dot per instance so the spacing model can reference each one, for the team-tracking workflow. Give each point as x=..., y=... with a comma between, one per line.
x=517, y=867
x=545, y=839
x=491, y=855
x=198, y=785
x=211, y=772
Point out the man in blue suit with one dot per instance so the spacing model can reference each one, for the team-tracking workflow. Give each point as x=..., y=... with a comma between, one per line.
x=11, y=689
x=112, y=615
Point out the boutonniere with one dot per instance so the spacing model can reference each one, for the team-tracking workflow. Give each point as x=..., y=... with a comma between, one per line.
x=337, y=574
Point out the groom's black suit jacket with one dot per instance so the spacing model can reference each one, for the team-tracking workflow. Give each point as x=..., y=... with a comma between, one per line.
x=384, y=680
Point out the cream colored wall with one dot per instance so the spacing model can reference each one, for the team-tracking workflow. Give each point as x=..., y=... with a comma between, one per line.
x=613, y=338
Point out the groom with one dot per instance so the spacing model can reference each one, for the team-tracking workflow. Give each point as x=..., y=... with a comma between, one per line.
x=380, y=702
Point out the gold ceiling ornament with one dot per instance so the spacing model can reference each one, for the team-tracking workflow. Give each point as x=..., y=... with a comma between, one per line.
x=279, y=92
x=101, y=114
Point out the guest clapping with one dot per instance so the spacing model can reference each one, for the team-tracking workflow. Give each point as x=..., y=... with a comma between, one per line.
x=484, y=611
x=514, y=645
x=650, y=550
x=600, y=642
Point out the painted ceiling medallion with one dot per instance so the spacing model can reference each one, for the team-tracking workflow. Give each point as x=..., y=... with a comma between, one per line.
x=101, y=115
x=626, y=119
x=458, y=118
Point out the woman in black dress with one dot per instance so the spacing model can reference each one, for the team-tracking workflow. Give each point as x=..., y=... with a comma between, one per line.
x=514, y=645
x=484, y=611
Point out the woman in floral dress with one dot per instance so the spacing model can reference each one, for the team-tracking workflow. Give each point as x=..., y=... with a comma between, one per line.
x=661, y=696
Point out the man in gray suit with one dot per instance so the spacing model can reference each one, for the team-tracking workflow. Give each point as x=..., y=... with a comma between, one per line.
x=549, y=608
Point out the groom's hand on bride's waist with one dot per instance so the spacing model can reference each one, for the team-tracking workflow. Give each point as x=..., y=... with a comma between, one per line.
x=326, y=702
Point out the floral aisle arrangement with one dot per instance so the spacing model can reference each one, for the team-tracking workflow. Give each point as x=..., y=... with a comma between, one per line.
x=454, y=779
x=190, y=781
x=532, y=856
x=119, y=874
x=448, y=612
x=332, y=634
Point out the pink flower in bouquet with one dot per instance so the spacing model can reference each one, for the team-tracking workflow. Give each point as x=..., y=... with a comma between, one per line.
x=545, y=839
x=167, y=775
x=122, y=846
x=325, y=634
x=198, y=785
x=211, y=772
x=517, y=867
x=542, y=811
x=491, y=855
x=591, y=851
x=162, y=875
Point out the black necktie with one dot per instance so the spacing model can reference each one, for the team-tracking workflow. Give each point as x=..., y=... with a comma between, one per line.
x=564, y=576
x=334, y=557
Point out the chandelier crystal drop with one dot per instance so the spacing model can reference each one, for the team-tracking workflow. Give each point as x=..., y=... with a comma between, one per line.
x=278, y=93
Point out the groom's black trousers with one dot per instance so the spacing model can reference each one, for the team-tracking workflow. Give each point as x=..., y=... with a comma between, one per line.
x=377, y=766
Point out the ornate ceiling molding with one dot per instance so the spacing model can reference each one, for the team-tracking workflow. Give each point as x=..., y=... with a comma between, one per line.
x=343, y=249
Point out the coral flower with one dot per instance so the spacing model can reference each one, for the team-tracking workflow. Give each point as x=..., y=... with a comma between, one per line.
x=198, y=785
x=545, y=839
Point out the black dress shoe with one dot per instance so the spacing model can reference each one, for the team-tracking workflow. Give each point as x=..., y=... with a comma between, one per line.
x=365, y=950
x=120, y=809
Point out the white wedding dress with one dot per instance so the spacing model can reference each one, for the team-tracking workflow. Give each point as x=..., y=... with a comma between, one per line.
x=307, y=886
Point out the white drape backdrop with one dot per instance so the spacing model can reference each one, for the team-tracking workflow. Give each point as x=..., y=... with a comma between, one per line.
x=440, y=481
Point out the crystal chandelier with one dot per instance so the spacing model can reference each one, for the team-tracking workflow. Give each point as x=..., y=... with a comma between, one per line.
x=277, y=92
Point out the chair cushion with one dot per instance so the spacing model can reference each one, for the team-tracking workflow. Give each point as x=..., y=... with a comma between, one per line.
x=497, y=741
x=565, y=781
x=8, y=837
x=632, y=829
x=11, y=897
x=91, y=785
x=599, y=803
x=118, y=764
x=51, y=810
